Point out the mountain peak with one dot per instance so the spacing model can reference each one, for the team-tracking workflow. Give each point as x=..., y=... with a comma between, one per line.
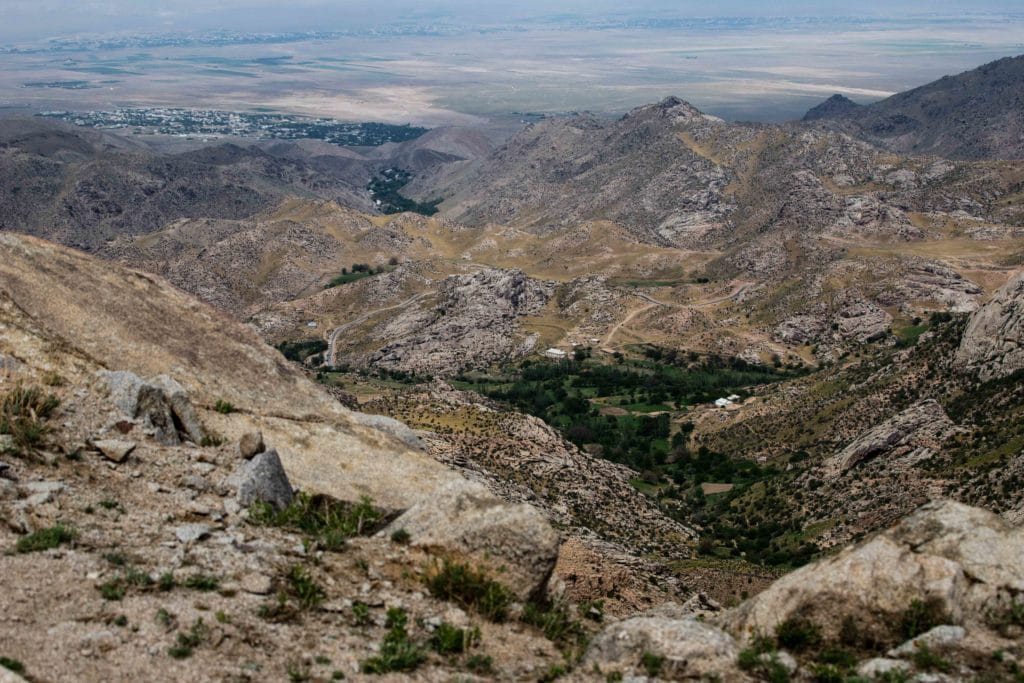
x=834, y=107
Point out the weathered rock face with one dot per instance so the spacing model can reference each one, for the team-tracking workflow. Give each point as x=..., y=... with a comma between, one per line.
x=915, y=434
x=993, y=343
x=966, y=561
x=473, y=324
x=862, y=320
x=464, y=521
x=689, y=649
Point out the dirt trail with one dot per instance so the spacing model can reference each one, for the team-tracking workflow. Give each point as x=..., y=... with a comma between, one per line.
x=739, y=287
x=330, y=358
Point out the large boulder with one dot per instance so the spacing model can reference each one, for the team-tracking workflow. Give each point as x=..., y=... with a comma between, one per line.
x=465, y=522
x=160, y=403
x=993, y=343
x=677, y=648
x=262, y=480
x=914, y=434
x=964, y=562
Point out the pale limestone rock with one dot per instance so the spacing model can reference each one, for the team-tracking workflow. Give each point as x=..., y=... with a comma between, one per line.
x=466, y=522
x=690, y=648
x=993, y=343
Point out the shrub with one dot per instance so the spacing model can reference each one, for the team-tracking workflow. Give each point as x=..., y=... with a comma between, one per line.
x=826, y=673
x=927, y=660
x=304, y=589
x=797, y=634
x=480, y=664
x=652, y=663
x=44, y=539
x=922, y=616
x=400, y=536
x=325, y=520
x=452, y=640
x=360, y=613
x=470, y=588
x=398, y=652
x=23, y=412
x=188, y=642
x=554, y=621
x=12, y=665
x=201, y=582
x=223, y=407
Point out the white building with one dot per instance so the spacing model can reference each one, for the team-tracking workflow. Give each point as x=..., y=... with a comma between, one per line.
x=723, y=403
x=555, y=353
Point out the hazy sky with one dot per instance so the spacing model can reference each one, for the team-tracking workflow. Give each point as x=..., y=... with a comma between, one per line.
x=30, y=19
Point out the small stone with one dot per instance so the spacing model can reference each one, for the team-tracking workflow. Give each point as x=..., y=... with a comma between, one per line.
x=52, y=487
x=250, y=445
x=257, y=584
x=197, y=508
x=195, y=482
x=8, y=491
x=231, y=506
x=190, y=533
x=114, y=450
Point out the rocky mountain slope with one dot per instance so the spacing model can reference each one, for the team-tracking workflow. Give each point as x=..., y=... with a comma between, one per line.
x=199, y=560
x=973, y=115
x=83, y=188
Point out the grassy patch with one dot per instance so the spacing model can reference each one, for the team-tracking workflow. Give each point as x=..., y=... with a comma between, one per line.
x=325, y=521
x=189, y=641
x=471, y=588
x=452, y=640
x=922, y=616
x=398, y=652
x=45, y=539
x=23, y=415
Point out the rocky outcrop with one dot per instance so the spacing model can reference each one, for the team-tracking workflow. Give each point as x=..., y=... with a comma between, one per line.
x=966, y=563
x=862, y=320
x=464, y=522
x=913, y=435
x=472, y=325
x=669, y=649
x=161, y=404
x=993, y=343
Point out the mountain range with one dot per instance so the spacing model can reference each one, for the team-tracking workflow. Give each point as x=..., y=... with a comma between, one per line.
x=657, y=395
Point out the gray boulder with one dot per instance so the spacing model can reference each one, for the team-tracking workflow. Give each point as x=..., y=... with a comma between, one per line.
x=993, y=343
x=160, y=403
x=465, y=522
x=181, y=406
x=689, y=649
x=262, y=479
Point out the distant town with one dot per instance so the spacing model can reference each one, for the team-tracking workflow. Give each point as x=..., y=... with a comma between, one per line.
x=213, y=124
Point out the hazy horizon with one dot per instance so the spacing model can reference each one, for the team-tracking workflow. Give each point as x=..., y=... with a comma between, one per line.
x=436, y=62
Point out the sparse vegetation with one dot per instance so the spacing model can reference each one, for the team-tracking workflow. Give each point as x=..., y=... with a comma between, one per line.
x=224, y=407
x=23, y=415
x=400, y=536
x=188, y=642
x=45, y=539
x=471, y=588
x=202, y=582
x=452, y=640
x=922, y=616
x=398, y=652
x=327, y=522
x=652, y=663
x=12, y=665
x=797, y=635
